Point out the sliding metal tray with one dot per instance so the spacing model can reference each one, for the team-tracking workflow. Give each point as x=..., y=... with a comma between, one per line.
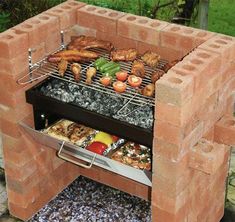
x=86, y=117
x=80, y=154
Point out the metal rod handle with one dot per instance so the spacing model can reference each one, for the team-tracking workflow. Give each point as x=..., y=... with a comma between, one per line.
x=74, y=162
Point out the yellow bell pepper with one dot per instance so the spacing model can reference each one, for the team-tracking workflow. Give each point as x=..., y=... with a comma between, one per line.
x=103, y=138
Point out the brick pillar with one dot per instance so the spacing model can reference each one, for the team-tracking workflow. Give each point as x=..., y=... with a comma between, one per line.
x=190, y=99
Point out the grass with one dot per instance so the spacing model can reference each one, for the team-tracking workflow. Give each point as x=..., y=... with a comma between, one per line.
x=221, y=13
x=222, y=16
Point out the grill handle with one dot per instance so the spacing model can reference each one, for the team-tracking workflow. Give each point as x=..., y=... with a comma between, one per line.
x=72, y=161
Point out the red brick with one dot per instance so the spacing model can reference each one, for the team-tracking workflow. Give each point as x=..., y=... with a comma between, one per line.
x=207, y=156
x=53, y=43
x=230, y=105
x=210, y=134
x=170, y=204
x=202, y=36
x=23, y=200
x=66, y=13
x=175, y=152
x=174, y=89
x=140, y=28
x=159, y=215
x=13, y=44
x=178, y=36
x=201, y=65
x=225, y=130
x=77, y=30
x=221, y=44
x=38, y=28
x=172, y=186
x=118, y=41
x=16, y=65
x=170, y=169
x=20, y=173
x=101, y=19
x=168, y=132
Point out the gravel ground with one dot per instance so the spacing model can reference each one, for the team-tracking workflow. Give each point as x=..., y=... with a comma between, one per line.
x=86, y=200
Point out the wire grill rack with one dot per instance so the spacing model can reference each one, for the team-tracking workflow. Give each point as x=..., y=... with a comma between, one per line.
x=44, y=69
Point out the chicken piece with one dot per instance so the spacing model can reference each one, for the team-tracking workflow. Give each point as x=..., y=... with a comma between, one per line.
x=88, y=42
x=137, y=68
x=123, y=55
x=168, y=65
x=62, y=66
x=151, y=58
x=157, y=75
x=148, y=90
x=73, y=56
x=76, y=69
x=90, y=73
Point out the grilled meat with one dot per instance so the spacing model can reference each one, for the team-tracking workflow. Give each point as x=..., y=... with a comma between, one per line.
x=157, y=75
x=123, y=55
x=89, y=42
x=91, y=72
x=76, y=69
x=148, y=90
x=138, y=68
x=62, y=66
x=73, y=56
x=151, y=58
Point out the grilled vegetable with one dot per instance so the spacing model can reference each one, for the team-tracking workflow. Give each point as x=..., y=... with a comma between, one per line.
x=62, y=66
x=106, y=80
x=112, y=71
x=121, y=76
x=76, y=69
x=90, y=73
x=100, y=62
x=97, y=147
x=107, y=65
x=134, y=81
x=119, y=86
x=103, y=138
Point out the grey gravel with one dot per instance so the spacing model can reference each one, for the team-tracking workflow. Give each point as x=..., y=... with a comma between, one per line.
x=99, y=102
x=88, y=201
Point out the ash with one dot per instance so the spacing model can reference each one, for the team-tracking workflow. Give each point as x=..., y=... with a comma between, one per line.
x=99, y=102
x=88, y=201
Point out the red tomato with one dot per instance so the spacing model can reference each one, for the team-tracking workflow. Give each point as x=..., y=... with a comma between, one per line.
x=119, y=86
x=97, y=147
x=106, y=80
x=121, y=76
x=134, y=81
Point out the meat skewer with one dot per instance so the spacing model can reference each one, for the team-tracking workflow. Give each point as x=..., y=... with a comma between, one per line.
x=73, y=56
x=157, y=75
x=89, y=42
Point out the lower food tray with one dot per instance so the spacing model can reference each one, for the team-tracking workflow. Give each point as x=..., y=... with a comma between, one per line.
x=78, y=154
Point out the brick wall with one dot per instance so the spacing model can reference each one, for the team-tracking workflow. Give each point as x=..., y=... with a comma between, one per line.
x=191, y=100
x=1, y=152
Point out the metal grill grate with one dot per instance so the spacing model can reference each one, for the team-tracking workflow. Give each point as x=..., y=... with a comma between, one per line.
x=44, y=68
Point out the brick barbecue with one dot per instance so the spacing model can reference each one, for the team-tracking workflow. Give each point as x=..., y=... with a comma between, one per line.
x=194, y=125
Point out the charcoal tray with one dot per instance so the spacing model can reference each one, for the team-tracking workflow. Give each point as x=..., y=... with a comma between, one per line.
x=92, y=119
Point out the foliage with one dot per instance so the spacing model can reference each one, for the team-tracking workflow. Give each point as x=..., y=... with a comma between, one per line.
x=13, y=12
x=4, y=21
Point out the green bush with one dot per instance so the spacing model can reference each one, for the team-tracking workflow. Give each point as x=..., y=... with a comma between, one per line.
x=13, y=12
